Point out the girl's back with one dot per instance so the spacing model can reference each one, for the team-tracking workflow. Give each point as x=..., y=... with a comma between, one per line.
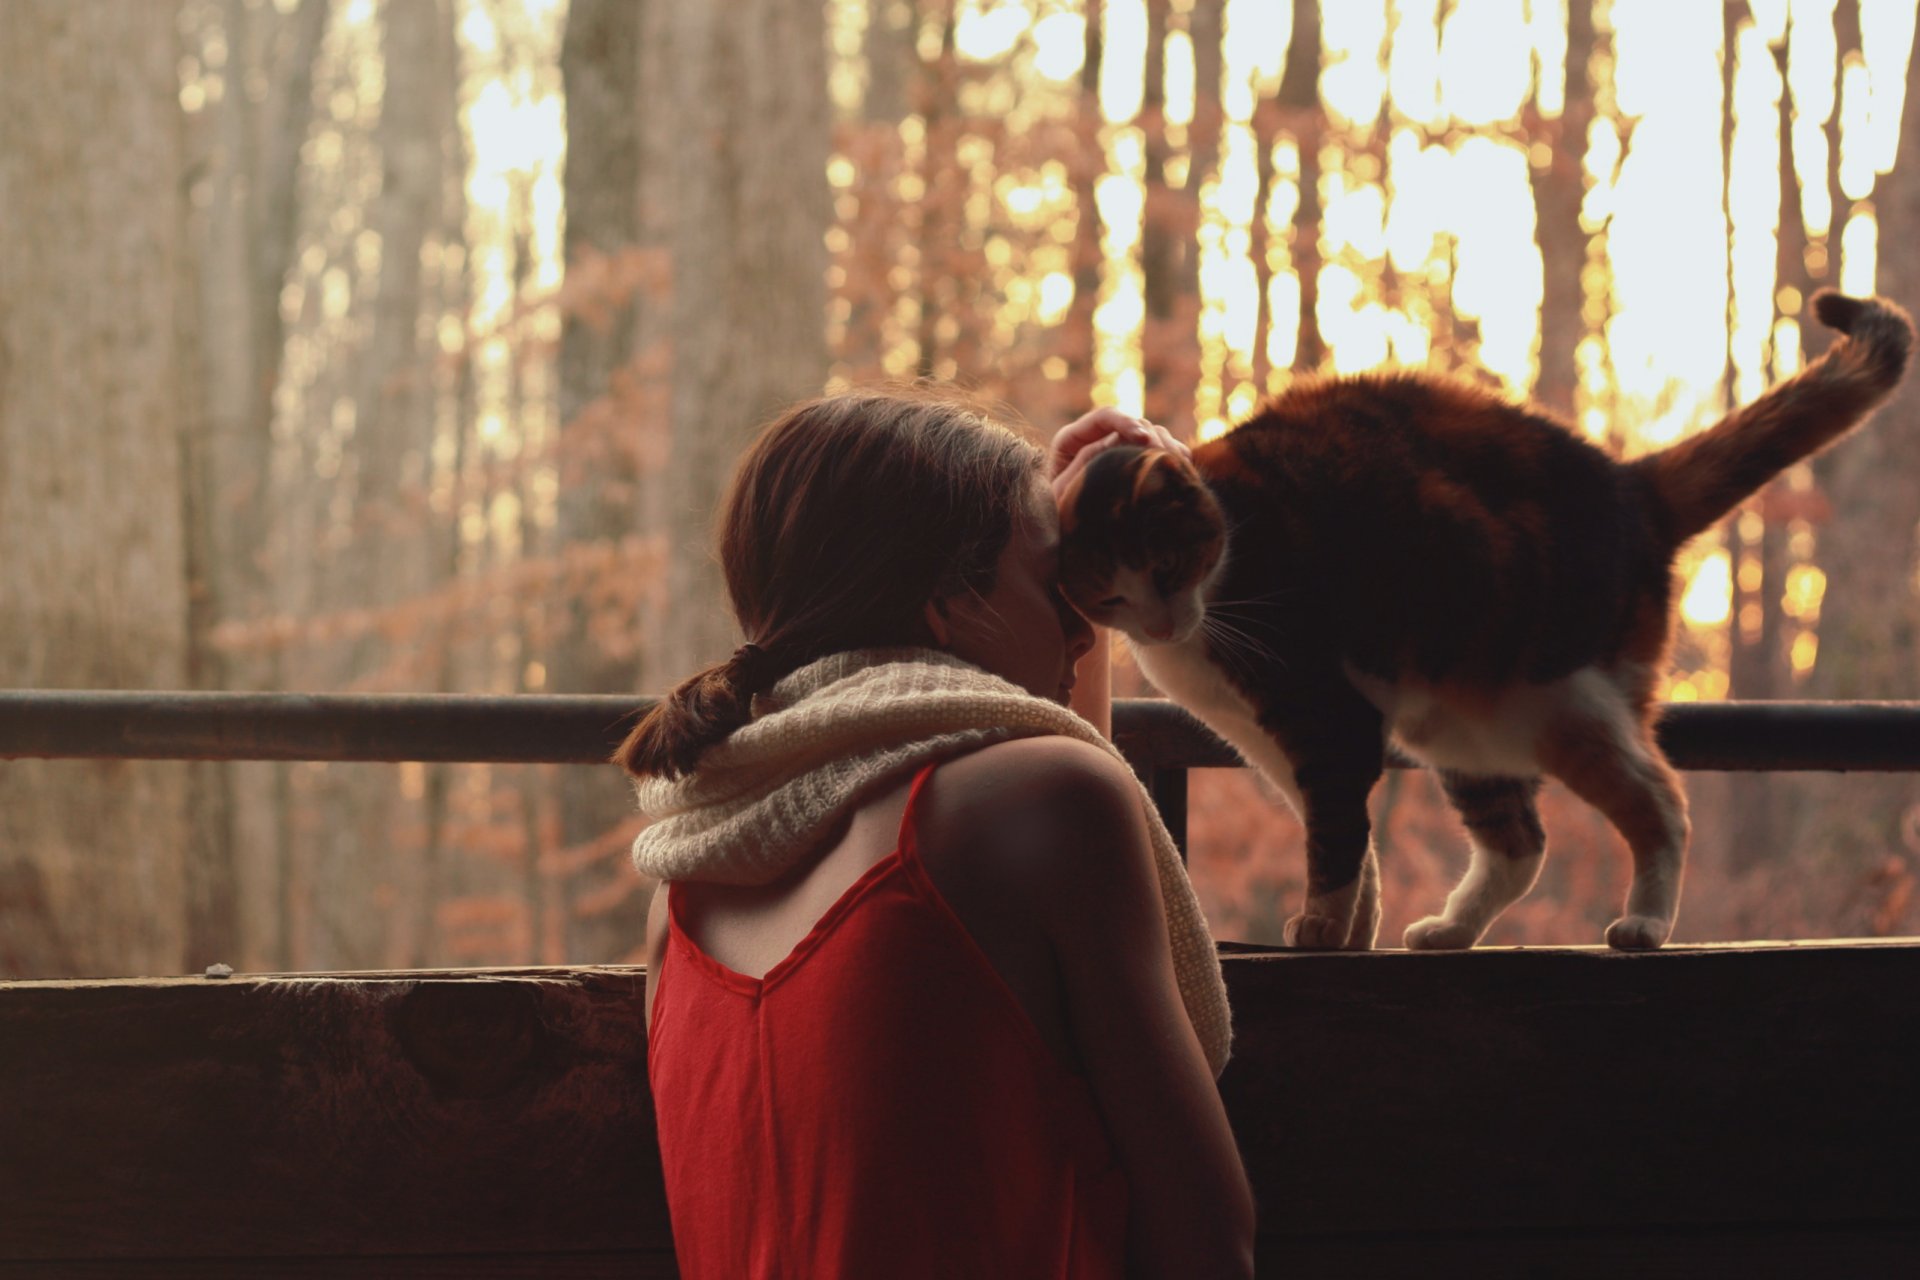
x=893, y=1048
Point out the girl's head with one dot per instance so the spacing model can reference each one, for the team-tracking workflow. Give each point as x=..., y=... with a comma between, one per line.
x=868, y=519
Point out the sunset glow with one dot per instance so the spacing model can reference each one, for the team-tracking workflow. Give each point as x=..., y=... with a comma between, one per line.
x=1426, y=187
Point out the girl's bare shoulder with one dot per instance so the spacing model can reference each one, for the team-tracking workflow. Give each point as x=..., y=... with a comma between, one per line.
x=1043, y=811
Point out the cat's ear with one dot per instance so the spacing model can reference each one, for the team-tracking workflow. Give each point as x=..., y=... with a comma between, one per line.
x=1155, y=473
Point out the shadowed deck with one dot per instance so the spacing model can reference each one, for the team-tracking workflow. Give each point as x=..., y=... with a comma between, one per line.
x=1701, y=1110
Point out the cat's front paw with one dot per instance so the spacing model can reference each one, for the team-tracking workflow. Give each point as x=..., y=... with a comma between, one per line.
x=1638, y=933
x=1437, y=933
x=1310, y=932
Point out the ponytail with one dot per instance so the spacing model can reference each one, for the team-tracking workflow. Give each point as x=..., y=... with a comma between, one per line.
x=844, y=517
x=698, y=714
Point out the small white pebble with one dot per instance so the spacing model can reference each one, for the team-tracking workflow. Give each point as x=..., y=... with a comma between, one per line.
x=219, y=971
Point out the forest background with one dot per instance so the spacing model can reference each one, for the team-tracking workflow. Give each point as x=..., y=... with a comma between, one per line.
x=405, y=345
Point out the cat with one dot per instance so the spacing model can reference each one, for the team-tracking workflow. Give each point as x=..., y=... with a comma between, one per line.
x=1403, y=561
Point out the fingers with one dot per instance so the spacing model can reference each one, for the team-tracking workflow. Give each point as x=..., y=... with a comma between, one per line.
x=1165, y=439
x=1077, y=465
x=1105, y=426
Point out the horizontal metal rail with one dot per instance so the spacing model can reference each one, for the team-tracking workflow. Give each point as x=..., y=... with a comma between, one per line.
x=538, y=729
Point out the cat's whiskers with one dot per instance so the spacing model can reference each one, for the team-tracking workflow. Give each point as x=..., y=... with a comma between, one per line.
x=1237, y=641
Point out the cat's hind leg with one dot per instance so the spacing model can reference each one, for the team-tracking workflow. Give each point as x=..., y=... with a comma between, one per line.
x=1509, y=844
x=1605, y=755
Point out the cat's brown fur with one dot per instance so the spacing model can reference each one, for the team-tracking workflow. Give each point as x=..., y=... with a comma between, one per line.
x=1408, y=559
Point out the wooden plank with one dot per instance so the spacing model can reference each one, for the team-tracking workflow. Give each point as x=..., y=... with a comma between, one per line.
x=585, y=728
x=1749, y=1252
x=486, y=1112
x=463, y=1266
x=1692, y=1104
x=1578, y=1089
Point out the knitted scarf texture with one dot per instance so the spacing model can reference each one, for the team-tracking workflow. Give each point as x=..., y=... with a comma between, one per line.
x=839, y=731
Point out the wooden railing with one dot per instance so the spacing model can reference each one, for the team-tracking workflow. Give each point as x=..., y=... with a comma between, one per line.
x=1161, y=740
x=1699, y=1111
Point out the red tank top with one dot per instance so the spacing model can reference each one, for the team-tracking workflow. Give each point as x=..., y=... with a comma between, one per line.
x=879, y=1104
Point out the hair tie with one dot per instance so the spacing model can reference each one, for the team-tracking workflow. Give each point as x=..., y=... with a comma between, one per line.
x=750, y=663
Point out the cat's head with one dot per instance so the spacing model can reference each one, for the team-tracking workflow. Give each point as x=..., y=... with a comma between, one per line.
x=1141, y=540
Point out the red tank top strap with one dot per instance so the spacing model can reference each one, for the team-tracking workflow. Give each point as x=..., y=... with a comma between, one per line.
x=907, y=844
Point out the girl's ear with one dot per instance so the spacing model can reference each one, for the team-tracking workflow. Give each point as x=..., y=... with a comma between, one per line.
x=939, y=625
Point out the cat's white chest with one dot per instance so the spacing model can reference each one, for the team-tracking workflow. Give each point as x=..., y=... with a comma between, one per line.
x=1185, y=674
x=1487, y=733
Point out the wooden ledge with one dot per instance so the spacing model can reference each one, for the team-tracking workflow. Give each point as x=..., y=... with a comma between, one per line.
x=1707, y=1110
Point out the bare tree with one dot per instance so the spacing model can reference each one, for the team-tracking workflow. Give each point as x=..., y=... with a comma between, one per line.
x=242, y=247
x=1183, y=358
x=1558, y=191
x=1869, y=629
x=383, y=557
x=604, y=499
x=746, y=170
x=1305, y=118
x=1086, y=165
x=1160, y=242
x=95, y=384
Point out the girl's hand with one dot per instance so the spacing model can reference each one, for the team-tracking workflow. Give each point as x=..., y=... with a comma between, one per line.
x=1081, y=441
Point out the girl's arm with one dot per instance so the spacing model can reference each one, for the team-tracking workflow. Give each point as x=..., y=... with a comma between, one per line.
x=1067, y=825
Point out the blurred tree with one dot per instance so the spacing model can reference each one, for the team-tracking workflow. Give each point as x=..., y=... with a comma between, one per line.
x=1161, y=239
x=746, y=170
x=1756, y=668
x=382, y=558
x=1182, y=367
x=1559, y=188
x=943, y=289
x=605, y=412
x=249, y=145
x=96, y=381
x=1304, y=117
x=1869, y=631
x=1081, y=341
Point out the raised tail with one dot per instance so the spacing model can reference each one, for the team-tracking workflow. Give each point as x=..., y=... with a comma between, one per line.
x=1702, y=478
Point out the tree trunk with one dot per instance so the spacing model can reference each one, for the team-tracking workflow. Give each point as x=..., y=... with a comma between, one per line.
x=385, y=557
x=95, y=383
x=942, y=206
x=892, y=61
x=1558, y=190
x=604, y=501
x=242, y=252
x=747, y=171
x=1082, y=344
x=1159, y=241
x=1870, y=616
x=1756, y=668
x=1303, y=116
x=1181, y=343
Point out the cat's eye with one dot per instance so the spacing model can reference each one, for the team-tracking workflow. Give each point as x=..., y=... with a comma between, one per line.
x=1113, y=602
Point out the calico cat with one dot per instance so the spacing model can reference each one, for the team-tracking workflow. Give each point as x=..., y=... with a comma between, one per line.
x=1402, y=559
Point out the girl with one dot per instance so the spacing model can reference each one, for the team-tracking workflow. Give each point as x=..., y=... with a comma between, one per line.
x=928, y=992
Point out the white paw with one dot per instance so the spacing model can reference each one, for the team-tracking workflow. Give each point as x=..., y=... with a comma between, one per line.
x=1317, y=933
x=1638, y=933
x=1436, y=933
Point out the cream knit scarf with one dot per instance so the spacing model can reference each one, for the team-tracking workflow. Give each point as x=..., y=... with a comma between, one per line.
x=835, y=733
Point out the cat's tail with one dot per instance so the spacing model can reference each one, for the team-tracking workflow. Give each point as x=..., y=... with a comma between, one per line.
x=1702, y=478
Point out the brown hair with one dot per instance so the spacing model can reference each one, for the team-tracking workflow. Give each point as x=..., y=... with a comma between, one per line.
x=845, y=516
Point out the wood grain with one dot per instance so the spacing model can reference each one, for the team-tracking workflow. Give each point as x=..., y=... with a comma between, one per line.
x=1703, y=1110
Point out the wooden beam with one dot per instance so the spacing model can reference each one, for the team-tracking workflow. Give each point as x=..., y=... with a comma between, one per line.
x=1716, y=1109
x=585, y=728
